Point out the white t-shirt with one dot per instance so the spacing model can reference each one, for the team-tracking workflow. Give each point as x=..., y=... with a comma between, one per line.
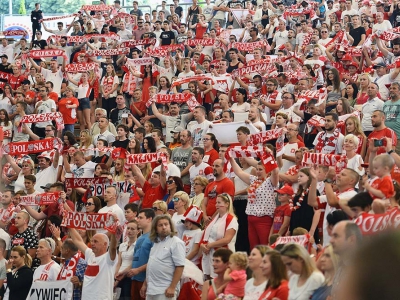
x=47, y=272
x=184, y=86
x=114, y=209
x=328, y=209
x=126, y=255
x=99, y=276
x=43, y=177
x=252, y=291
x=191, y=237
x=305, y=291
x=199, y=131
x=179, y=226
x=6, y=237
x=85, y=171
x=56, y=78
x=45, y=107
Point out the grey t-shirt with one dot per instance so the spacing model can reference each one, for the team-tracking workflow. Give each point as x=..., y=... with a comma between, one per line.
x=181, y=158
x=3, y=269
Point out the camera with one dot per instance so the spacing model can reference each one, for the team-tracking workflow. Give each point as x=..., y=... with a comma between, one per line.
x=379, y=143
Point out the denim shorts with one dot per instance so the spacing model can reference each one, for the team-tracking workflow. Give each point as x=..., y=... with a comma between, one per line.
x=84, y=103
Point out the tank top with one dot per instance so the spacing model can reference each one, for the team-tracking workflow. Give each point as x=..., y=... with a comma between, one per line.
x=195, y=13
x=231, y=68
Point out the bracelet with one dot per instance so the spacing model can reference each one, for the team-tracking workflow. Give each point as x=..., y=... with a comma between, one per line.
x=390, y=152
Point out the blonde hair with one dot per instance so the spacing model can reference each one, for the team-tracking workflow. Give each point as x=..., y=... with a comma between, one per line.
x=88, y=139
x=240, y=259
x=227, y=199
x=161, y=205
x=22, y=252
x=296, y=251
x=203, y=181
x=385, y=160
x=335, y=260
x=355, y=139
x=184, y=197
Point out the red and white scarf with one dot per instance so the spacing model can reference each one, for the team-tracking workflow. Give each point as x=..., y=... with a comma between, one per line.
x=142, y=158
x=271, y=98
x=31, y=147
x=40, y=199
x=324, y=141
x=181, y=81
x=203, y=42
x=302, y=240
x=226, y=219
x=97, y=7
x=14, y=32
x=249, y=46
x=38, y=54
x=71, y=183
x=46, y=117
x=85, y=221
x=330, y=160
x=262, y=137
x=68, y=271
x=80, y=67
x=371, y=224
x=58, y=18
x=111, y=52
x=134, y=44
x=254, y=68
x=253, y=151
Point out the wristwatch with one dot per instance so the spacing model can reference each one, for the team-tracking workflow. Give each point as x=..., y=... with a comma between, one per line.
x=59, y=239
x=390, y=152
x=8, y=270
x=328, y=180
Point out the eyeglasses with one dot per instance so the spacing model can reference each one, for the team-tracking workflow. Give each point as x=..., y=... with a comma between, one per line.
x=170, y=181
x=156, y=208
x=285, y=98
x=89, y=204
x=48, y=130
x=206, y=139
x=42, y=90
x=196, y=183
x=176, y=199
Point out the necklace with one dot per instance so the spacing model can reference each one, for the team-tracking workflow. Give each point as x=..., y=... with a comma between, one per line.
x=299, y=202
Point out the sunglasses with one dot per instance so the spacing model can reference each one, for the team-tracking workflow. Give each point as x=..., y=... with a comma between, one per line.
x=170, y=181
x=175, y=199
x=89, y=204
x=156, y=209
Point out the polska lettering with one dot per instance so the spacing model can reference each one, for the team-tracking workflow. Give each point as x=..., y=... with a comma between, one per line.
x=14, y=32
x=71, y=183
x=250, y=69
x=46, y=53
x=117, y=51
x=86, y=221
x=248, y=46
x=302, y=240
x=375, y=223
x=80, y=67
x=40, y=199
x=139, y=61
x=203, y=42
x=97, y=7
x=39, y=146
x=321, y=159
x=133, y=44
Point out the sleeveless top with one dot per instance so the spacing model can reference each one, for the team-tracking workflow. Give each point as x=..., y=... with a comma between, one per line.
x=231, y=68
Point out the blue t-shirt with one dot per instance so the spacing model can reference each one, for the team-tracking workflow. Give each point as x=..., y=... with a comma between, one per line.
x=141, y=255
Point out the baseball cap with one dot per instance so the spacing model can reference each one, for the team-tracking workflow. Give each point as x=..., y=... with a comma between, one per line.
x=379, y=65
x=286, y=189
x=353, y=64
x=347, y=57
x=4, y=55
x=177, y=129
x=47, y=154
x=193, y=214
x=25, y=81
x=46, y=187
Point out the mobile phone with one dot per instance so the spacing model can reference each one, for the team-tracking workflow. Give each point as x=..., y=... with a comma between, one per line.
x=124, y=115
x=378, y=143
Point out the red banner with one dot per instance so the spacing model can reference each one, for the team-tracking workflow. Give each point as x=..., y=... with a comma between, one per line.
x=97, y=7
x=302, y=240
x=164, y=51
x=142, y=158
x=145, y=61
x=70, y=39
x=376, y=223
x=256, y=68
x=38, y=54
x=47, y=117
x=31, y=147
x=71, y=183
x=192, y=78
x=248, y=46
x=58, y=18
x=331, y=160
x=80, y=67
x=40, y=199
x=117, y=51
x=134, y=44
x=84, y=221
x=111, y=35
x=203, y=42
x=14, y=32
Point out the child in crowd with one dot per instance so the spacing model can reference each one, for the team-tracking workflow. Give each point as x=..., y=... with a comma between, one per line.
x=322, y=171
x=283, y=212
x=381, y=188
x=193, y=233
x=236, y=275
x=358, y=205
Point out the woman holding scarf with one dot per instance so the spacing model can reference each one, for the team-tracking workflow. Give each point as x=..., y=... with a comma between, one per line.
x=261, y=200
x=220, y=233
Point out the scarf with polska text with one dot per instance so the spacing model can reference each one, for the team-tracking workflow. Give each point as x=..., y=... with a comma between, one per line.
x=132, y=62
x=70, y=39
x=330, y=160
x=164, y=51
x=38, y=54
x=111, y=52
x=254, y=68
x=97, y=7
x=181, y=81
x=187, y=98
x=17, y=148
x=80, y=67
x=252, y=151
x=46, y=117
x=302, y=240
x=58, y=18
x=40, y=199
x=203, y=42
x=134, y=44
x=72, y=183
x=250, y=46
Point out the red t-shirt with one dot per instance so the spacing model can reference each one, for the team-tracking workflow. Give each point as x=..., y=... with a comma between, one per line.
x=15, y=81
x=69, y=114
x=210, y=156
x=385, y=185
x=379, y=134
x=215, y=188
x=279, y=214
x=152, y=194
x=281, y=292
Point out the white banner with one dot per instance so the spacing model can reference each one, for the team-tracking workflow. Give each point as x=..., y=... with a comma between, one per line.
x=226, y=132
x=51, y=290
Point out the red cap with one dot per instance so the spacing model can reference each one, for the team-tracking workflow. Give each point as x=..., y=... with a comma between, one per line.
x=347, y=57
x=286, y=189
x=194, y=215
x=354, y=64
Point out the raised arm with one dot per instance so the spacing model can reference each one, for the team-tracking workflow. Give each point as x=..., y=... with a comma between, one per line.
x=136, y=171
x=77, y=239
x=239, y=172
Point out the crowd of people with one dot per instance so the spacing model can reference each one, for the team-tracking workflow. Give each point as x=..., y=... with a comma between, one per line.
x=140, y=110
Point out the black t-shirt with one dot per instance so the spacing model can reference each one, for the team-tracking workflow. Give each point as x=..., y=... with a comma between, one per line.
x=310, y=136
x=167, y=37
x=116, y=115
x=356, y=34
x=137, y=12
x=121, y=144
x=36, y=16
x=39, y=44
x=179, y=11
x=232, y=4
x=5, y=69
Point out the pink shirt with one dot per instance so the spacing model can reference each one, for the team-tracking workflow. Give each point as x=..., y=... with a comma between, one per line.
x=236, y=285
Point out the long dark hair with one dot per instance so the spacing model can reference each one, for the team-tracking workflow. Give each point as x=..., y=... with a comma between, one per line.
x=151, y=144
x=243, y=92
x=7, y=118
x=355, y=91
x=178, y=182
x=278, y=269
x=71, y=137
x=301, y=189
x=214, y=140
x=336, y=80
